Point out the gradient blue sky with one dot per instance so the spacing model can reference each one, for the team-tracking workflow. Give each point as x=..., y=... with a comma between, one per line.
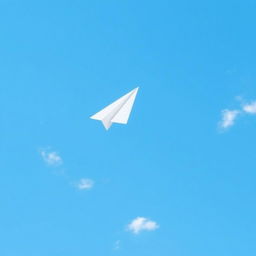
x=62, y=61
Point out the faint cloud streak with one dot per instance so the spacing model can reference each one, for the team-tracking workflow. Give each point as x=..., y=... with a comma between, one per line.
x=85, y=184
x=117, y=245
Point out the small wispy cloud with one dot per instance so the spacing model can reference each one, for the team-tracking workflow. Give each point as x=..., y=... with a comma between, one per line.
x=228, y=118
x=250, y=108
x=117, y=245
x=142, y=224
x=85, y=184
x=51, y=157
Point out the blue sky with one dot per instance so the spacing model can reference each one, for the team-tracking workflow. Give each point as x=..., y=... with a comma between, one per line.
x=186, y=160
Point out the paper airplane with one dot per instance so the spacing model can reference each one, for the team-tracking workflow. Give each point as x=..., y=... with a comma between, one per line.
x=117, y=112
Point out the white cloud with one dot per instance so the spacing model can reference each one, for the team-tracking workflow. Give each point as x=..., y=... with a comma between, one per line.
x=142, y=224
x=51, y=158
x=228, y=118
x=85, y=184
x=250, y=108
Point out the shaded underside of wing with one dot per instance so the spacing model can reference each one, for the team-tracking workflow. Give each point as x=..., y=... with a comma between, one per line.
x=123, y=114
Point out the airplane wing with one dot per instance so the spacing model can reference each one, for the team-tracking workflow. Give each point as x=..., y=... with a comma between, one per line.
x=124, y=113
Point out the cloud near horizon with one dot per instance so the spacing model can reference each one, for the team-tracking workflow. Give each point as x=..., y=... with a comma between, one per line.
x=142, y=224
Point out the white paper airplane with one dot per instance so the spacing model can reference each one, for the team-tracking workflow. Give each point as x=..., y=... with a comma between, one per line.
x=117, y=112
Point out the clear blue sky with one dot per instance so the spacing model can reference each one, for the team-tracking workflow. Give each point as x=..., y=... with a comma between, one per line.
x=61, y=62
